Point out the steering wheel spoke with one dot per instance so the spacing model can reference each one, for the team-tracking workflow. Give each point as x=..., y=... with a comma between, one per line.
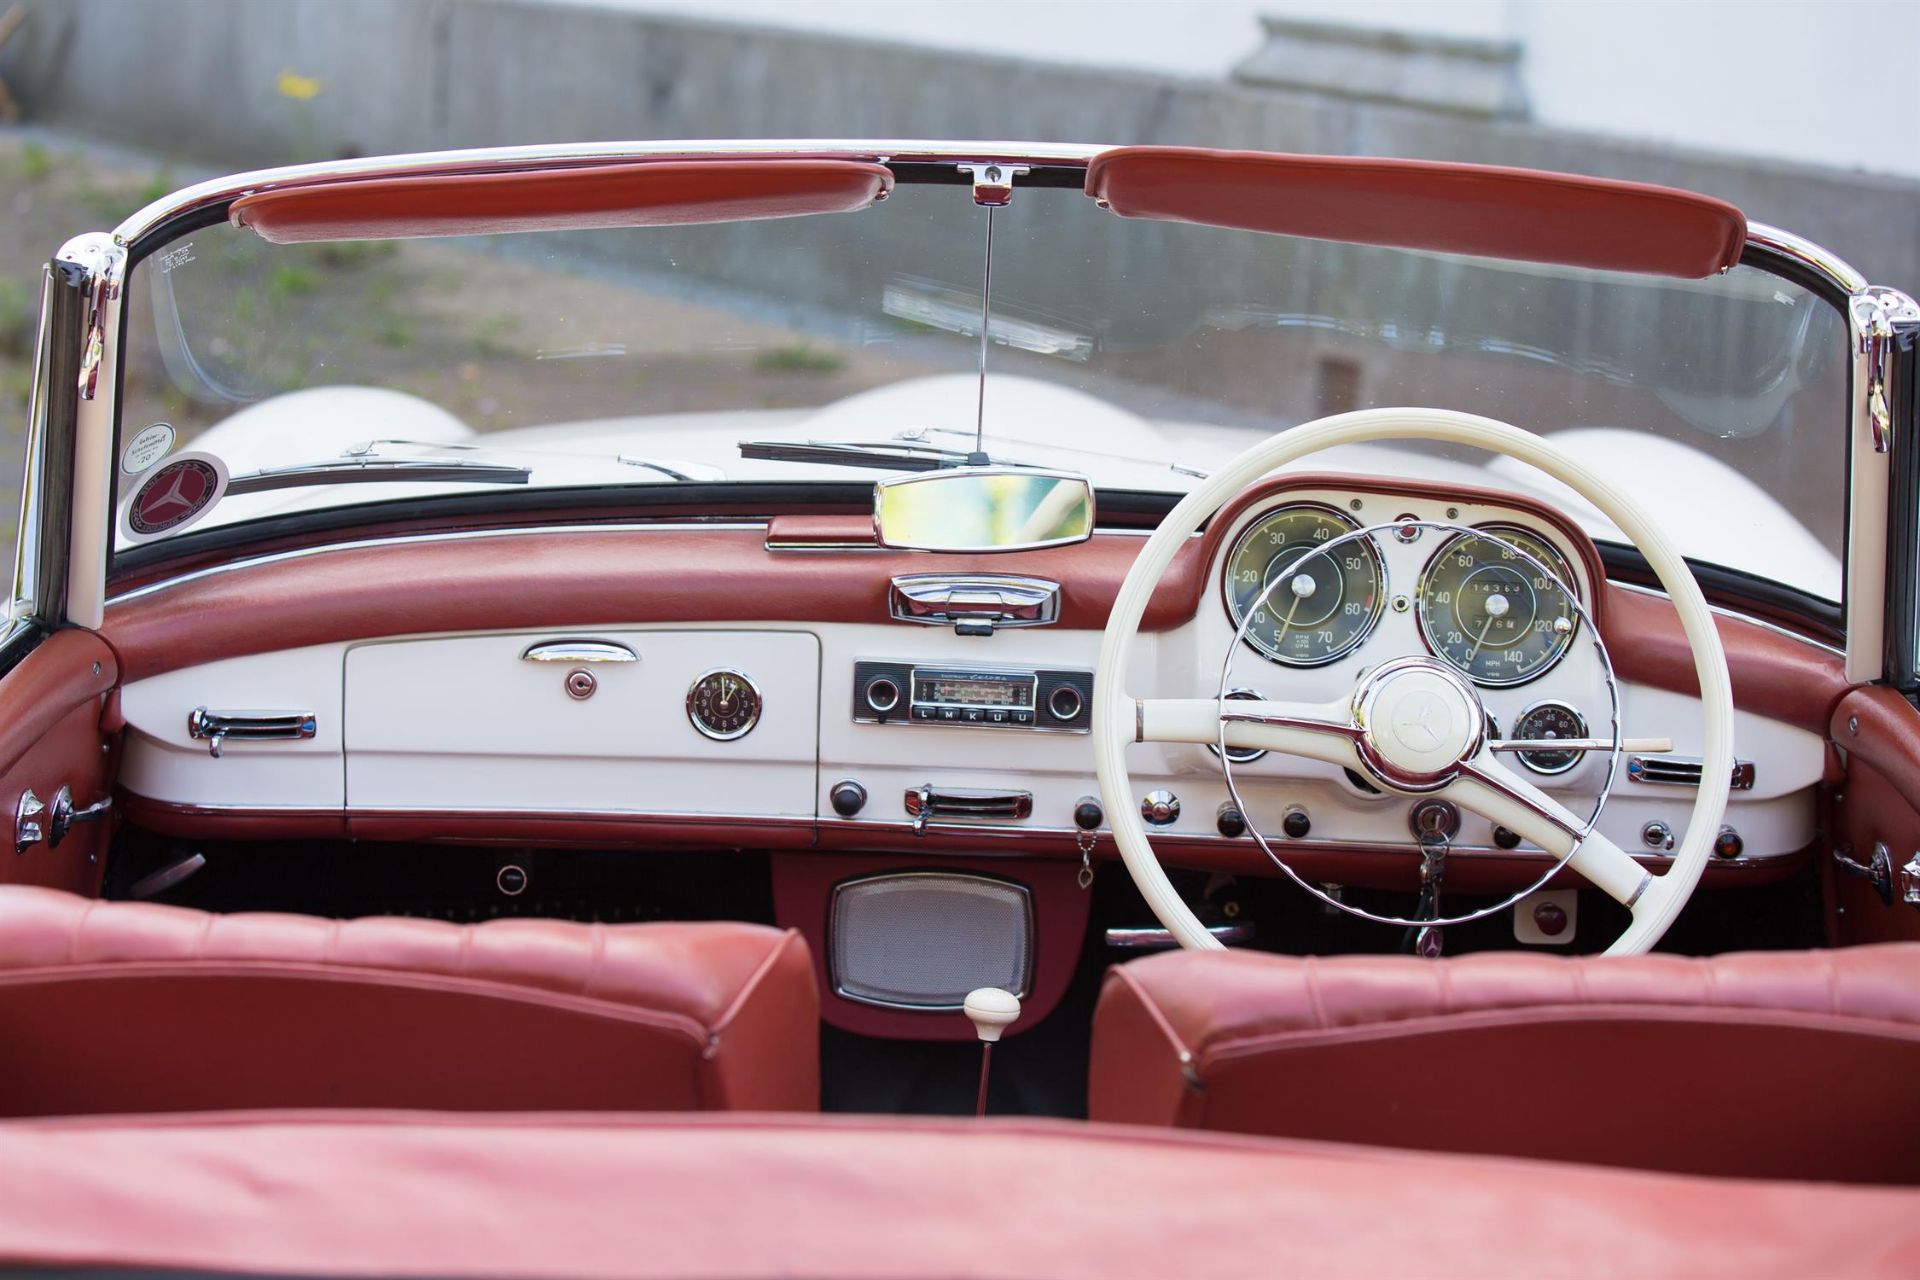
x=1318, y=731
x=1500, y=795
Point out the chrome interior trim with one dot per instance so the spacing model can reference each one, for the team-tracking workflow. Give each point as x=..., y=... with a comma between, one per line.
x=1144, y=939
x=572, y=651
x=1681, y=771
x=1836, y=270
x=274, y=557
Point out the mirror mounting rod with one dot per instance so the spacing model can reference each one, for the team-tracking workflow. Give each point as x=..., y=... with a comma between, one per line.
x=992, y=188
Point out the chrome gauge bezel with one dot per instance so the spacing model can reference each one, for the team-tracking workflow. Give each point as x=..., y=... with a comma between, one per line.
x=1349, y=527
x=1526, y=757
x=718, y=735
x=1561, y=568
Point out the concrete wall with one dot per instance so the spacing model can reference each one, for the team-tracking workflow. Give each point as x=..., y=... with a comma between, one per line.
x=198, y=79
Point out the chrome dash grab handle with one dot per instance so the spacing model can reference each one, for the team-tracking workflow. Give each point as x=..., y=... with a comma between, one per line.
x=215, y=727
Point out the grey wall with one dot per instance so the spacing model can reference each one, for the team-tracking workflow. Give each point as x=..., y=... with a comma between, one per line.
x=196, y=79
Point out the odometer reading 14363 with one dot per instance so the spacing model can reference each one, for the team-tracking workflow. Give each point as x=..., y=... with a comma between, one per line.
x=1321, y=606
x=1491, y=612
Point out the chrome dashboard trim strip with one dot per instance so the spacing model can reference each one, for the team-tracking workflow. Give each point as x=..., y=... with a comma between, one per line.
x=402, y=539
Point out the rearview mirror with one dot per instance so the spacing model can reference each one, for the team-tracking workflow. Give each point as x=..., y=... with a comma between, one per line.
x=983, y=509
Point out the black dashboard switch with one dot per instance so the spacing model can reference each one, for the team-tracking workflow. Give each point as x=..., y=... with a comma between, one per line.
x=1296, y=824
x=847, y=797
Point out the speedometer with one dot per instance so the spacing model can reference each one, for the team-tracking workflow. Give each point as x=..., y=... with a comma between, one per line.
x=1490, y=612
x=1321, y=606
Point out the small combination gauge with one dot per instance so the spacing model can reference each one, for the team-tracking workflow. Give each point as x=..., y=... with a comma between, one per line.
x=1547, y=720
x=723, y=705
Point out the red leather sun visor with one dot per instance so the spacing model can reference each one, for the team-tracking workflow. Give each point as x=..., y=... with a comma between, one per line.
x=1417, y=204
x=646, y=194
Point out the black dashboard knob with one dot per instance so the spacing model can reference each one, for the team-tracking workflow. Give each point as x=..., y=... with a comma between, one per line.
x=1231, y=822
x=847, y=797
x=1087, y=814
x=1728, y=844
x=1296, y=824
x=1506, y=839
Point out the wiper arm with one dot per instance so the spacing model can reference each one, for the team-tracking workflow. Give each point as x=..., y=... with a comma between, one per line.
x=366, y=448
x=881, y=455
x=371, y=470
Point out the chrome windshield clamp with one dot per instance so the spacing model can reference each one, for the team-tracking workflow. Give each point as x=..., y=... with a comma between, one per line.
x=1875, y=313
x=993, y=181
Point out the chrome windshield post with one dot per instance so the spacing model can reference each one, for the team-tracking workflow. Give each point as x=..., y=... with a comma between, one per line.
x=84, y=387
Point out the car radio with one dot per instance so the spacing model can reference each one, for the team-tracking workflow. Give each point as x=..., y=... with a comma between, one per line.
x=985, y=697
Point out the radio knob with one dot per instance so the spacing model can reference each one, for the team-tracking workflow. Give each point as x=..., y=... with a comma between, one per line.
x=883, y=695
x=847, y=797
x=1065, y=703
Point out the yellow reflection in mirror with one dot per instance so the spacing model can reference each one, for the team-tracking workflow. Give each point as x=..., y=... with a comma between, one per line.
x=983, y=509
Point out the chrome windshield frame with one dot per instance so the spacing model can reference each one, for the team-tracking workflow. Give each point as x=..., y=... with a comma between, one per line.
x=103, y=259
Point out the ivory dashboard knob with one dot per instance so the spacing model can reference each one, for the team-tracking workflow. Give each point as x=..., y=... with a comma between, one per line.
x=991, y=1011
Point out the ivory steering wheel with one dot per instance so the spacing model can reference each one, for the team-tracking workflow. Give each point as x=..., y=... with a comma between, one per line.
x=1359, y=733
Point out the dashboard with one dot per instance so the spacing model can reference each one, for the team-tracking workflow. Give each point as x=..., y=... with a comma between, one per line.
x=837, y=721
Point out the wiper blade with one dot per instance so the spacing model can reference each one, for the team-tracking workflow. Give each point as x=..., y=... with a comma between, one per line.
x=881, y=455
x=372, y=470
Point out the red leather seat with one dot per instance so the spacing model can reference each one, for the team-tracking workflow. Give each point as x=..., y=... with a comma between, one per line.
x=117, y=1007
x=1779, y=1064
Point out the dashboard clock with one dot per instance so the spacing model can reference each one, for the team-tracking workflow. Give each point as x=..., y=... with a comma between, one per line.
x=723, y=705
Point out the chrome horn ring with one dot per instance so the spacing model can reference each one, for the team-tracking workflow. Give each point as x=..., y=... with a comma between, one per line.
x=1393, y=776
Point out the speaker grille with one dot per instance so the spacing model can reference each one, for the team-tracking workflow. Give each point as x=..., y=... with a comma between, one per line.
x=923, y=939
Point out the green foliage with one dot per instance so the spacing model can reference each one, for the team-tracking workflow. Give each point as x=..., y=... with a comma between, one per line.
x=18, y=319
x=800, y=358
x=289, y=280
x=36, y=162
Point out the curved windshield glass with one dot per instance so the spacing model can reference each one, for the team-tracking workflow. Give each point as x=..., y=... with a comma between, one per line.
x=1141, y=353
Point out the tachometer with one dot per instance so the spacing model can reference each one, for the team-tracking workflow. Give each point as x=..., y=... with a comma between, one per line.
x=1490, y=612
x=1324, y=605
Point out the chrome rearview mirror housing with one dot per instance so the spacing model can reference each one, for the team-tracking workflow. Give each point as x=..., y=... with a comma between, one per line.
x=979, y=509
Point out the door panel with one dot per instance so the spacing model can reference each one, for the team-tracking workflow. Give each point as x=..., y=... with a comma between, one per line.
x=50, y=736
x=1879, y=732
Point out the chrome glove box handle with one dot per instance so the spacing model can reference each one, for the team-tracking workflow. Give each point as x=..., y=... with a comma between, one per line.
x=927, y=802
x=215, y=727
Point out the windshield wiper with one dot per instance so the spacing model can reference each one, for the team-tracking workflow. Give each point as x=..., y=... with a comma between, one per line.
x=881, y=455
x=371, y=470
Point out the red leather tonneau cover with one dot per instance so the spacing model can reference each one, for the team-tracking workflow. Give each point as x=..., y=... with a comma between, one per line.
x=359, y=1194
x=1420, y=204
x=639, y=194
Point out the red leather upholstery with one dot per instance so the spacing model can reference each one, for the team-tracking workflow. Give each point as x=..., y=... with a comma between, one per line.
x=867, y=1198
x=1422, y=204
x=1789, y=1064
x=115, y=1007
x=658, y=193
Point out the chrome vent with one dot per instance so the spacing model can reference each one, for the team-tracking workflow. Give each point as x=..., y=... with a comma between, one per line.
x=1682, y=771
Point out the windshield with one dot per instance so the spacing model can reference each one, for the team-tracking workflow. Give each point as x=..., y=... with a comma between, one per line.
x=1142, y=353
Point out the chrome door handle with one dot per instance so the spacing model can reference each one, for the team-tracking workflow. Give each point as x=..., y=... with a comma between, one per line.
x=215, y=727
x=576, y=651
x=1876, y=871
x=62, y=816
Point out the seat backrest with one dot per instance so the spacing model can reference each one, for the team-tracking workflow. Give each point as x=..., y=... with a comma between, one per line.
x=1779, y=1064
x=119, y=1007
